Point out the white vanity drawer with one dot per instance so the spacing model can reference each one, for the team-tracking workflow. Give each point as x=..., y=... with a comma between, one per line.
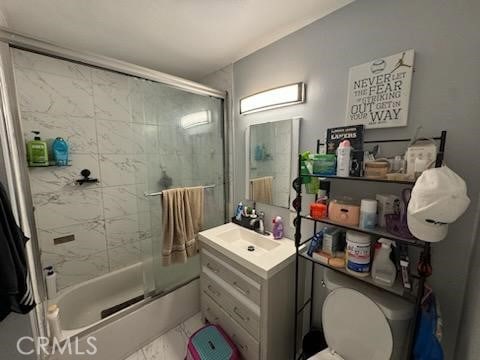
x=232, y=276
x=248, y=316
x=247, y=345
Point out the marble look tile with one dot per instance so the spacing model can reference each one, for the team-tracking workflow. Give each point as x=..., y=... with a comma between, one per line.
x=173, y=344
x=56, y=179
x=75, y=271
x=123, y=256
x=137, y=100
x=138, y=355
x=110, y=78
x=54, y=210
x=123, y=230
x=30, y=60
x=122, y=169
x=89, y=239
x=118, y=137
x=52, y=94
x=122, y=200
x=111, y=103
x=79, y=132
x=149, y=135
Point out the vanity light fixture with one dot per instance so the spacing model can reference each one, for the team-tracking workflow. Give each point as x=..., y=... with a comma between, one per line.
x=274, y=98
x=197, y=118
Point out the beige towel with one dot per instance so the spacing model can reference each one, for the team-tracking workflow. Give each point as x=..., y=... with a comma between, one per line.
x=261, y=189
x=182, y=221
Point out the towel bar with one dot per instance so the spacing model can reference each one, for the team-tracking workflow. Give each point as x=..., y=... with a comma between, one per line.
x=160, y=192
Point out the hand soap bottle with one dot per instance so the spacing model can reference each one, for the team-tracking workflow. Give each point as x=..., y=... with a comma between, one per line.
x=60, y=152
x=37, y=151
x=277, y=229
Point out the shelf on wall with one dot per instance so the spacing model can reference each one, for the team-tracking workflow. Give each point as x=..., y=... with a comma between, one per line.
x=362, y=178
x=396, y=289
x=53, y=165
x=378, y=231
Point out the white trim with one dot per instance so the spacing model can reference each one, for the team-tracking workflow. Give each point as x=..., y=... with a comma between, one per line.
x=32, y=44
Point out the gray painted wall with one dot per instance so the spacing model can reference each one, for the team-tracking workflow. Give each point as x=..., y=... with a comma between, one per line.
x=468, y=346
x=445, y=95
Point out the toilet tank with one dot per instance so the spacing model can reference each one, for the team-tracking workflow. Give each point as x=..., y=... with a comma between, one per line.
x=398, y=312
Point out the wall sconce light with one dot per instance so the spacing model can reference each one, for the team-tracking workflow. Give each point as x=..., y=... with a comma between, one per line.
x=195, y=119
x=274, y=98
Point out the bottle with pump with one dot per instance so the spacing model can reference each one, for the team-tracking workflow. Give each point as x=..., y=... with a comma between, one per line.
x=384, y=270
x=37, y=151
x=343, y=158
x=277, y=228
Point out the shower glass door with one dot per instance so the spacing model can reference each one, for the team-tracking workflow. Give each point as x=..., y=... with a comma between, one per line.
x=183, y=142
x=104, y=237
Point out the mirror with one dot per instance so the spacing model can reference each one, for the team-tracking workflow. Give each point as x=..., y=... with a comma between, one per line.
x=271, y=149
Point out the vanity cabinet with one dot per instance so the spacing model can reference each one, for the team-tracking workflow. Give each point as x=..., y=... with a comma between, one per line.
x=255, y=311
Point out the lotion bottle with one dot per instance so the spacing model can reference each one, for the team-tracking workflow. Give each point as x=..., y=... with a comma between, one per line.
x=343, y=158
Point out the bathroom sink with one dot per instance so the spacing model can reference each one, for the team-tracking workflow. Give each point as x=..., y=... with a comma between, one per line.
x=259, y=253
x=248, y=240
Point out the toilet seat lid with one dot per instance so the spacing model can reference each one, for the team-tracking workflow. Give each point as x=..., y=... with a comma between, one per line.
x=355, y=327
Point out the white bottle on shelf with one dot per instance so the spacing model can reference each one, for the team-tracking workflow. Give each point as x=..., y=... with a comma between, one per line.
x=51, y=281
x=384, y=270
x=343, y=158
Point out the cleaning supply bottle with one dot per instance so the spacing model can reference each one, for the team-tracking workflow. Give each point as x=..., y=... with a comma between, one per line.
x=53, y=318
x=384, y=270
x=277, y=228
x=37, y=151
x=60, y=152
x=343, y=158
x=239, y=211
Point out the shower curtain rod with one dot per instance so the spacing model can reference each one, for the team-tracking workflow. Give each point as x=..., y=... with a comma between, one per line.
x=161, y=192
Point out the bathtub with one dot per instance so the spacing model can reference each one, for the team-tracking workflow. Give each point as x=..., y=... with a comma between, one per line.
x=127, y=330
x=81, y=305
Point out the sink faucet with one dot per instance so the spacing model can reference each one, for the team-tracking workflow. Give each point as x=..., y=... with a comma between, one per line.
x=261, y=224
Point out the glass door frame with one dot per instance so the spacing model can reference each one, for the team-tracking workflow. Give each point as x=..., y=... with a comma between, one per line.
x=11, y=135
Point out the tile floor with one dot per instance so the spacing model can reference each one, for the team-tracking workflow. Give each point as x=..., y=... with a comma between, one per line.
x=172, y=345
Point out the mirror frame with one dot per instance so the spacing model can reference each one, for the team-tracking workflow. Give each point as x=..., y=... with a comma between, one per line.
x=295, y=139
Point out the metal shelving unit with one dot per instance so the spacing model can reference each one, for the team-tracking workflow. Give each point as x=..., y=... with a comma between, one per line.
x=415, y=295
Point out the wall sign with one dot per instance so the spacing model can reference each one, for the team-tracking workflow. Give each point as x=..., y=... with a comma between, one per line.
x=379, y=91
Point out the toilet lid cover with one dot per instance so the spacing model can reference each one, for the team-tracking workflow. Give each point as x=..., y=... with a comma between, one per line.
x=355, y=327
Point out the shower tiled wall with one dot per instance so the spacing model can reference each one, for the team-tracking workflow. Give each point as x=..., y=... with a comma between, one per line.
x=116, y=126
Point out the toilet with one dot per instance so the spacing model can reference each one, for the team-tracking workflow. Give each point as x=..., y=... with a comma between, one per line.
x=363, y=322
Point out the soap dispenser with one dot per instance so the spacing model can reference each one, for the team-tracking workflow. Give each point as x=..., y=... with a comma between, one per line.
x=37, y=151
x=60, y=152
x=277, y=228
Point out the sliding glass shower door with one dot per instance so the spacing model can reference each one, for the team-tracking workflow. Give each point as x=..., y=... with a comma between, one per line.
x=135, y=137
x=184, y=147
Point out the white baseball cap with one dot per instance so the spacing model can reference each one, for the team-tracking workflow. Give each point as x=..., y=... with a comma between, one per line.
x=439, y=198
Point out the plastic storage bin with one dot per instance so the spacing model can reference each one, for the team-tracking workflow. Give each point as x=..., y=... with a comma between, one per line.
x=211, y=343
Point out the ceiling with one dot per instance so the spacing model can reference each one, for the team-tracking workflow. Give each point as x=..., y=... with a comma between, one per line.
x=188, y=38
